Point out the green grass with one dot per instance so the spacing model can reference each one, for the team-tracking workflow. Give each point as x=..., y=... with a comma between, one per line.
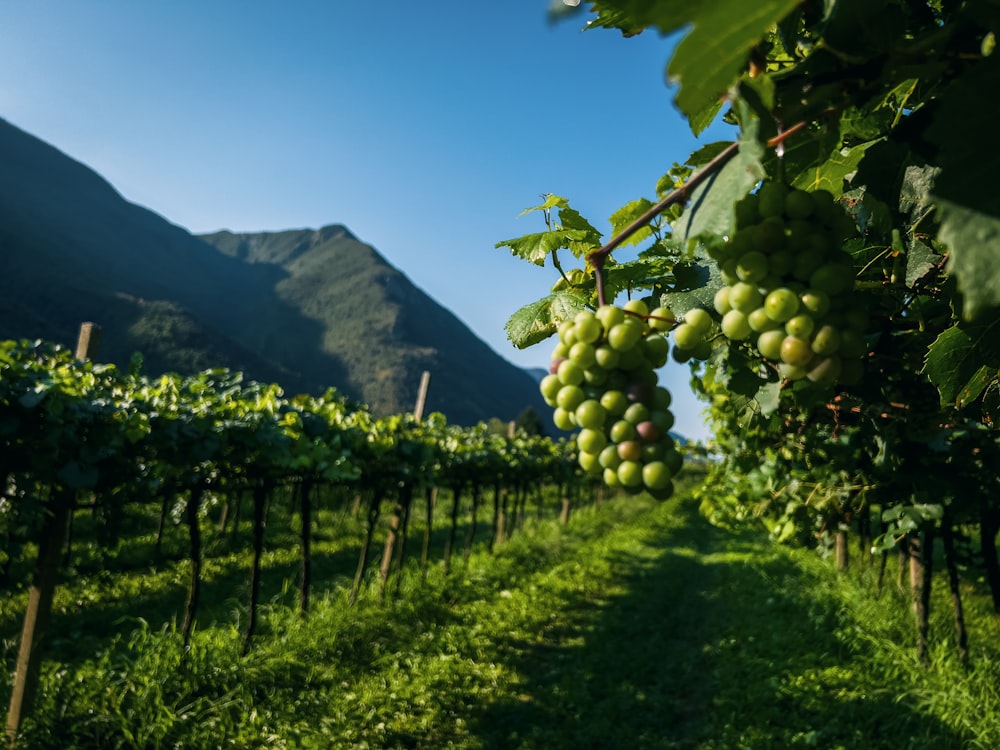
x=636, y=626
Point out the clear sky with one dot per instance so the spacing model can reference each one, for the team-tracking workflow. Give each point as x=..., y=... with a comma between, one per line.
x=425, y=128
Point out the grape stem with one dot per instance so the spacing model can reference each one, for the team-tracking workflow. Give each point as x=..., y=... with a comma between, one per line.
x=680, y=195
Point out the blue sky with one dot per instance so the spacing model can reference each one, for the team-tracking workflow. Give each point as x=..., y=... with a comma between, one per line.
x=424, y=128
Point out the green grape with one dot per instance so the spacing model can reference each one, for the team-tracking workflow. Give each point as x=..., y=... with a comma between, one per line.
x=614, y=402
x=781, y=305
x=769, y=236
x=816, y=302
x=721, y=300
x=582, y=354
x=799, y=204
x=588, y=462
x=826, y=341
x=587, y=327
x=624, y=336
x=771, y=197
x=735, y=326
x=661, y=319
x=698, y=319
x=656, y=475
x=769, y=344
x=636, y=412
x=796, y=351
x=656, y=349
x=591, y=440
x=744, y=297
x=760, y=321
x=752, y=266
x=687, y=337
x=610, y=316
x=606, y=358
x=570, y=397
x=800, y=326
x=824, y=370
x=590, y=414
x=570, y=372
x=636, y=306
x=549, y=387
x=563, y=419
x=608, y=458
x=832, y=278
x=630, y=474
x=622, y=431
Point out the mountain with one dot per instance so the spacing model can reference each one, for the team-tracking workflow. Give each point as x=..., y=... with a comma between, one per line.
x=309, y=309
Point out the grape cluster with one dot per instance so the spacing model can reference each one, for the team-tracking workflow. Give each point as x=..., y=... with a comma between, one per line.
x=602, y=382
x=788, y=287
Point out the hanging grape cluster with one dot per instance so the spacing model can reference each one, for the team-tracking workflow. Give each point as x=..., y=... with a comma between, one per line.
x=603, y=383
x=787, y=287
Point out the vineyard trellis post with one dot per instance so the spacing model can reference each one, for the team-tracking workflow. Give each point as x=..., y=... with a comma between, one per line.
x=39, y=610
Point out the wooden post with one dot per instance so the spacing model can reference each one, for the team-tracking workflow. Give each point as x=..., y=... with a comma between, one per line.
x=43, y=586
x=425, y=381
x=88, y=343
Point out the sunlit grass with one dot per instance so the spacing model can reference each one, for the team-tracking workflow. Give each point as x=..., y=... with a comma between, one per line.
x=636, y=626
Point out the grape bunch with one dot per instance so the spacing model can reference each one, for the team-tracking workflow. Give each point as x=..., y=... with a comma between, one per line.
x=602, y=382
x=788, y=287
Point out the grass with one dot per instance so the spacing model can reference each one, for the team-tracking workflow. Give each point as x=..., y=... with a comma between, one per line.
x=636, y=626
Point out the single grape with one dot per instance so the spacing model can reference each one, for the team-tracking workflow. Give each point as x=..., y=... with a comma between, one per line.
x=624, y=336
x=587, y=327
x=570, y=372
x=622, y=431
x=687, y=337
x=698, y=319
x=570, y=397
x=781, y=305
x=744, y=297
x=796, y=351
x=590, y=414
x=656, y=475
x=800, y=326
x=614, y=402
x=735, y=326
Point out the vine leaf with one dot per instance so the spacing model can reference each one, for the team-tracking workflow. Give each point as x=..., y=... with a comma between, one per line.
x=710, y=210
x=965, y=188
x=535, y=248
x=963, y=360
x=920, y=258
x=972, y=238
x=626, y=215
x=830, y=174
x=710, y=58
x=538, y=320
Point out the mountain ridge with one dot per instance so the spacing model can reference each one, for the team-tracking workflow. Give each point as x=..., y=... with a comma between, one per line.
x=305, y=308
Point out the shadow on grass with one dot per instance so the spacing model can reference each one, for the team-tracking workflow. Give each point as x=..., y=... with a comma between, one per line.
x=706, y=650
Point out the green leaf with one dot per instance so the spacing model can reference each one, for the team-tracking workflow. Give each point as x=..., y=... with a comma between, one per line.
x=537, y=321
x=920, y=258
x=697, y=284
x=830, y=174
x=769, y=398
x=710, y=210
x=973, y=240
x=711, y=57
x=629, y=213
x=535, y=248
x=955, y=360
x=965, y=188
